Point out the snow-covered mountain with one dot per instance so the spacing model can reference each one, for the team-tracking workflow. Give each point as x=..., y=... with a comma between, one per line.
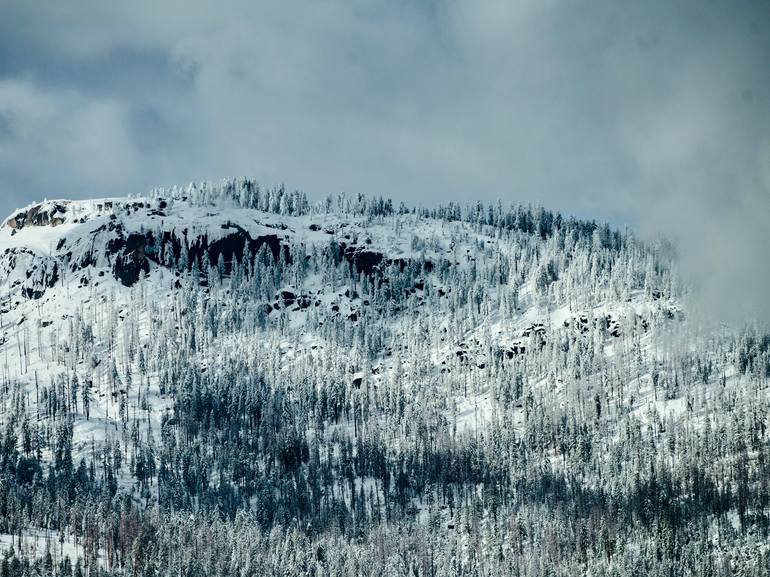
x=494, y=387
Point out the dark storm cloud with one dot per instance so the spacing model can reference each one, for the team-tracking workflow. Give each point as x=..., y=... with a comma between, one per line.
x=652, y=113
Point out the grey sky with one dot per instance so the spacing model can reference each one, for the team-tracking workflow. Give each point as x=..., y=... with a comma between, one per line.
x=652, y=113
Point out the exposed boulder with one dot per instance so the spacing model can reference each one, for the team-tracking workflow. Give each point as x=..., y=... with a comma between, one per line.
x=612, y=326
x=516, y=348
x=533, y=329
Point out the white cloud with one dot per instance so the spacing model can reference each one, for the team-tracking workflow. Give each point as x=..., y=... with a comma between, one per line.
x=61, y=138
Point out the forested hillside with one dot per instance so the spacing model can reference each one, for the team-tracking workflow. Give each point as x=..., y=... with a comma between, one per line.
x=231, y=380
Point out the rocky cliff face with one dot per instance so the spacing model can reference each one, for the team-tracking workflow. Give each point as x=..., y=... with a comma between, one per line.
x=132, y=261
x=123, y=238
x=127, y=238
x=44, y=214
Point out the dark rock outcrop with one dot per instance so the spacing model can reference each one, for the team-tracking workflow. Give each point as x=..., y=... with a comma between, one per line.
x=368, y=262
x=133, y=261
x=133, y=254
x=231, y=247
x=364, y=261
x=42, y=276
x=46, y=214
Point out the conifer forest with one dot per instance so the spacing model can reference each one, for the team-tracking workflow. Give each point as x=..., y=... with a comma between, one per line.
x=231, y=380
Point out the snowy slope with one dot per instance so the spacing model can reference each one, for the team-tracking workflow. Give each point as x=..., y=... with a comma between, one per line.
x=67, y=264
x=351, y=371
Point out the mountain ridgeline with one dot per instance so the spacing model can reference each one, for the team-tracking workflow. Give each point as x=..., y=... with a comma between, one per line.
x=231, y=380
